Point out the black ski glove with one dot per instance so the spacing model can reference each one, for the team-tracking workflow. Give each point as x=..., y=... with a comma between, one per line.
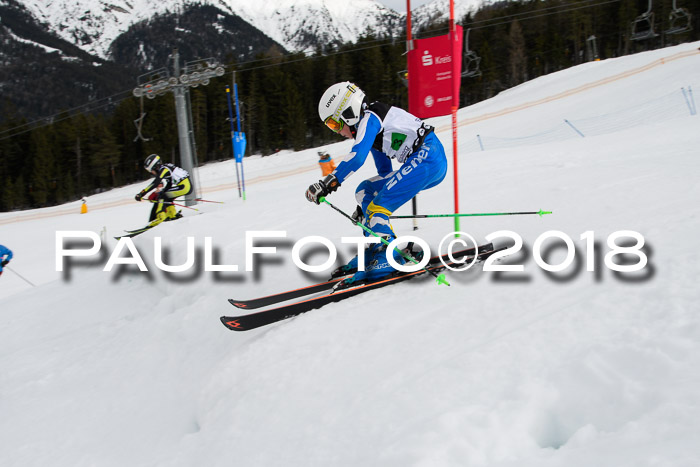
x=138, y=197
x=322, y=188
x=5, y=263
x=358, y=216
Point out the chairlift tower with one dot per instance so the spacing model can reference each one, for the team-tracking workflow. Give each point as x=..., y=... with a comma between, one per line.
x=159, y=82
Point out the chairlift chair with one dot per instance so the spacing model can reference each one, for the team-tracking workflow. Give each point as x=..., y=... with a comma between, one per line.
x=592, y=48
x=680, y=19
x=643, y=26
x=470, y=60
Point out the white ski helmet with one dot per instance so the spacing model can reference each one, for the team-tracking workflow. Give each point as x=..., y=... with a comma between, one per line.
x=341, y=104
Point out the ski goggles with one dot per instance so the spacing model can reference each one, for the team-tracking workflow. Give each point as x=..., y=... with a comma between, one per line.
x=335, y=125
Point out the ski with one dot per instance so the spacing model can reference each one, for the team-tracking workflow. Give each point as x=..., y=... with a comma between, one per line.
x=323, y=286
x=284, y=296
x=265, y=317
x=133, y=233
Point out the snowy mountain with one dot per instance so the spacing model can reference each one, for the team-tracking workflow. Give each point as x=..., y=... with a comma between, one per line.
x=439, y=10
x=93, y=25
x=297, y=25
x=578, y=368
x=303, y=24
x=198, y=31
x=35, y=57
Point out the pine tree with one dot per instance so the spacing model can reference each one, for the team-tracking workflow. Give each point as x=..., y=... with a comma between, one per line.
x=104, y=155
x=293, y=116
x=198, y=105
x=123, y=127
x=42, y=169
x=14, y=194
x=517, y=61
x=160, y=124
x=218, y=129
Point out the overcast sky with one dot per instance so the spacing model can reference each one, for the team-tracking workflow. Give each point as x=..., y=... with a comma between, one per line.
x=400, y=5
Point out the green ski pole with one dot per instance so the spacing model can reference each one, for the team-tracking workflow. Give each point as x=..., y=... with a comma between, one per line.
x=439, y=278
x=425, y=216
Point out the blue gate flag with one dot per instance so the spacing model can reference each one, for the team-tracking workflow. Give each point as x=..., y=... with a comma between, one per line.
x=239, y=143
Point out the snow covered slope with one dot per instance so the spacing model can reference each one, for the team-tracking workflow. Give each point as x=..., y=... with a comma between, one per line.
x=574, y=368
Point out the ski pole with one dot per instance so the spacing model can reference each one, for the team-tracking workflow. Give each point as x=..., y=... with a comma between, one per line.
x=174, y=204
x=208, y=201
x=20, y=276
x=183, y=206
x=425, y=216
x=414, y=204
x=439, y=278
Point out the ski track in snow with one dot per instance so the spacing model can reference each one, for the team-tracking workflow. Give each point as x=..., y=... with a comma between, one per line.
x=130, y=368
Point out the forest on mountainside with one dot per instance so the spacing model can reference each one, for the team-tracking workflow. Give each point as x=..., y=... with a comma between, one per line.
x=78, y=154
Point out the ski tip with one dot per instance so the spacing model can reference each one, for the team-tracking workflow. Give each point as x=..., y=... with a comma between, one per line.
x=232, y=323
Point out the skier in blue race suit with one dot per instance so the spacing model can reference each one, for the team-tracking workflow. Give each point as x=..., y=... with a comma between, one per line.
x=387, y=133
x=5, y=257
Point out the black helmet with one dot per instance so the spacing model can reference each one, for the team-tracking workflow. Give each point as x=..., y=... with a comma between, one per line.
x=152, y=162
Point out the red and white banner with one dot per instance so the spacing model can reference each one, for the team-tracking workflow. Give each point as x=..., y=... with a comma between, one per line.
x=430, y=68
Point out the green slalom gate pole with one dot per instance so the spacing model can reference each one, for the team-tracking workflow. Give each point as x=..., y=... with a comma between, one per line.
x=439, y=278
x=425, y=216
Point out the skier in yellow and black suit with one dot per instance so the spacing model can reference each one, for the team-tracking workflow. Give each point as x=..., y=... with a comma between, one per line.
x=175, y=182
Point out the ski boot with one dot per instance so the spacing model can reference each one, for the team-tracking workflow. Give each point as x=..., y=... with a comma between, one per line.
x=377, y=265
x=351, y=268
x=172, y=213
x=346, y=269
x=160, y=217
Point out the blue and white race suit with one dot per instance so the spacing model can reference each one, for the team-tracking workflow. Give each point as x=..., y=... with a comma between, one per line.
x=5, y=256
x=392, y=133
